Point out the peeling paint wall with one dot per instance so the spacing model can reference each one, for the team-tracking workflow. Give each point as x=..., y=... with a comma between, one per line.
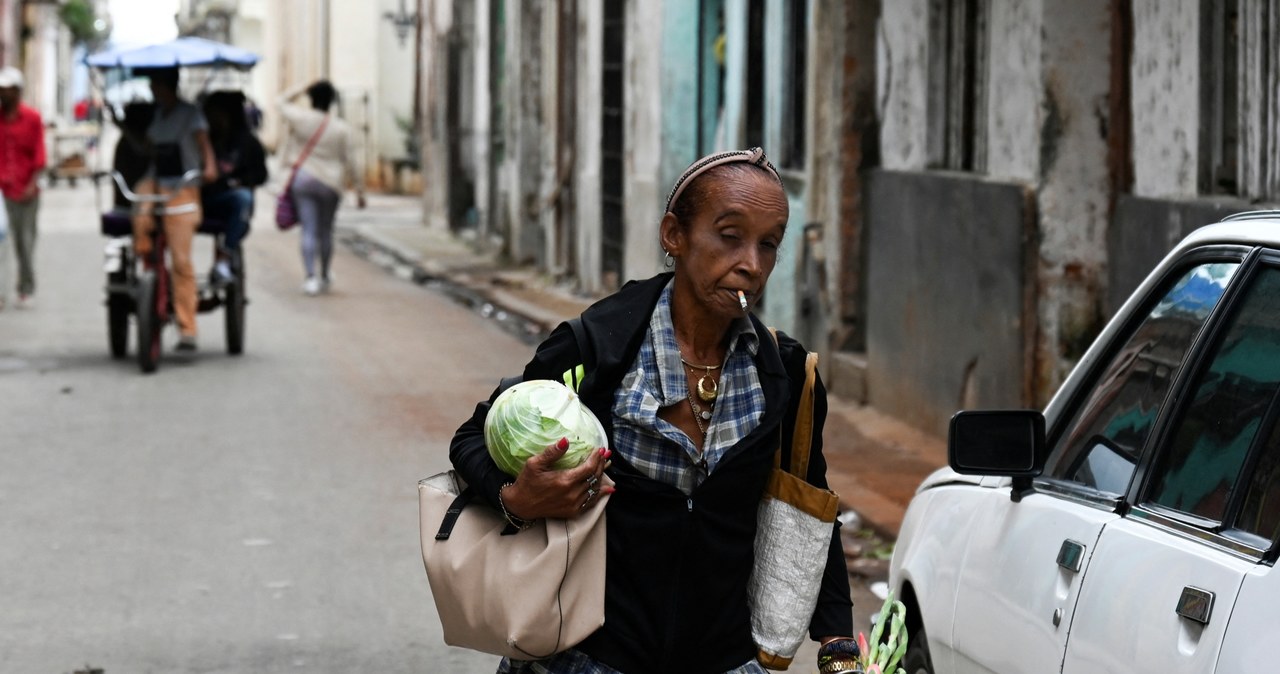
x=1014, y=87
x=479, y=121
x=586, y=163
x=1074, y=190
x=901, y=81
x=1166, y=92
x=644, y=145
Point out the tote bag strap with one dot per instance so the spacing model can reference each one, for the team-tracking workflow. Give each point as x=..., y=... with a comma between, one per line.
x=306, y=151
x=802, y=434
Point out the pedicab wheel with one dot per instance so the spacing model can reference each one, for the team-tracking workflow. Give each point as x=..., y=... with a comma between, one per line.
x=233, y=305
x=148, y=323
x=118, y=324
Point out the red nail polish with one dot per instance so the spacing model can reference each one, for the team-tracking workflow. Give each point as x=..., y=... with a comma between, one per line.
x=604, y=452
x=563, y=444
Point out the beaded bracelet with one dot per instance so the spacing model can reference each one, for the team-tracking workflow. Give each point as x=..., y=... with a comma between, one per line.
x=517, y=522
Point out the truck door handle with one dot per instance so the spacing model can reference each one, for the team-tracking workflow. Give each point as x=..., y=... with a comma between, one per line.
x=1070, y=555
x=1195, y=604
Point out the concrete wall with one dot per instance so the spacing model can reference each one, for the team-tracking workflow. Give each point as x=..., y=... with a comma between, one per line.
x=1166, y=95
x=587, y=177
x=1144, y=230
x=902, y=60
x=481, y=105
x=10, y=30
x=1015, y=88
x=735, y=68
x=646, y=142
x=435, y=152
x=1072, y=200
x=947, y=311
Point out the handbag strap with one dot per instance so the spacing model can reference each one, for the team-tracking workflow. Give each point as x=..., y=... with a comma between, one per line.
x=306, y=151
x=802, y=434
x=451, y=515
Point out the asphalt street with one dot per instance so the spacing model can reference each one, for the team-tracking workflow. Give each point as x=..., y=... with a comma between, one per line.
x=255, y=513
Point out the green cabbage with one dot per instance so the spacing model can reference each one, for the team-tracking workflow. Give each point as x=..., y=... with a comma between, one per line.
x=533, y=415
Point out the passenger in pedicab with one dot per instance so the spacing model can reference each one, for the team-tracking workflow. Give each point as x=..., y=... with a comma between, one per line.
x=178, y=137
x=242, y=166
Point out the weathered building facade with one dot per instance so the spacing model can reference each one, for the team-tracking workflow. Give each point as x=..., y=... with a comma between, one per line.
x=974, y=184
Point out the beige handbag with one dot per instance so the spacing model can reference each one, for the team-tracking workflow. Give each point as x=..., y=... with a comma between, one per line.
x=527, y=595
x=793, y=532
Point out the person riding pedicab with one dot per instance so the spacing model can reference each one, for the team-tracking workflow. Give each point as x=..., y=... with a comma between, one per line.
x=179, y=142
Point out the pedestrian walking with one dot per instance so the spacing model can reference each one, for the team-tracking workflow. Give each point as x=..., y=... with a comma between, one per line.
x=22, y=158
x=324, y=150
x=694, y=395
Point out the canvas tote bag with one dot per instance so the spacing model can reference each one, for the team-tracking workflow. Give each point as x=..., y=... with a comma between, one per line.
x=794, y=524
x=527, y=595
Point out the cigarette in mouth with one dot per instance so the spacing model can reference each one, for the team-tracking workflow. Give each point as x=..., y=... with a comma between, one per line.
x=742, y=299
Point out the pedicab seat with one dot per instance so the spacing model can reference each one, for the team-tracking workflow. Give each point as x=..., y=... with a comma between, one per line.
x=119, y=222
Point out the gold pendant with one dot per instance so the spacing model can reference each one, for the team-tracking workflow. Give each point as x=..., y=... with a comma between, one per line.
x=708, y=395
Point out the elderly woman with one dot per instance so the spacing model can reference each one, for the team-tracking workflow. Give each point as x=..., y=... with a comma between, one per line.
x=695, y=396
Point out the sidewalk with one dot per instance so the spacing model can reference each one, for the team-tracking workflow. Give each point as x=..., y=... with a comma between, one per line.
x=874, y=461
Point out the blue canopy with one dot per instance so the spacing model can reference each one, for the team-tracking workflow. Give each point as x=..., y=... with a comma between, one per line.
x=184, y=51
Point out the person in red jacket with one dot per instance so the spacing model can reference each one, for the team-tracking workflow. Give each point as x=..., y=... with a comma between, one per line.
x=22, y=158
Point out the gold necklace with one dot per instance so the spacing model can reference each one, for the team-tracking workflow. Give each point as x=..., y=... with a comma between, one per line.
x=707, y=394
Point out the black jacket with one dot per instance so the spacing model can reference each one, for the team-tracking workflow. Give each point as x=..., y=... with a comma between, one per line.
x=677, y=565
x=247, y=158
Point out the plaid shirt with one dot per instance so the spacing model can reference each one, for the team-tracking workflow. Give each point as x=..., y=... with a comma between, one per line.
x=662, y=451
x=657, y=380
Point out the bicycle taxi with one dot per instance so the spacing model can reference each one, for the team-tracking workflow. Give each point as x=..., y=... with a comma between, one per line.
x=142, y=286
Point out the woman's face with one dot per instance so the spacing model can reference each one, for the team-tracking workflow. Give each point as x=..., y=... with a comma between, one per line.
x=731, y=243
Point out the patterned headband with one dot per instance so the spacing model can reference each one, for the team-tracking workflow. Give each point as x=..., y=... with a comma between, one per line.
x=753, y=156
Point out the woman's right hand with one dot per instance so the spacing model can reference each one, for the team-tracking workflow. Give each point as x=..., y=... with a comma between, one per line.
x=542, y=490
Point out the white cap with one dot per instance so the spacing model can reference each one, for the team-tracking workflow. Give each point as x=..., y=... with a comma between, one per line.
x=10, y=77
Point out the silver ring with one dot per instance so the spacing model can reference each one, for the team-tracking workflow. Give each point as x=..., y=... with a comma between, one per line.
x=592, y=481
x=591, y=493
